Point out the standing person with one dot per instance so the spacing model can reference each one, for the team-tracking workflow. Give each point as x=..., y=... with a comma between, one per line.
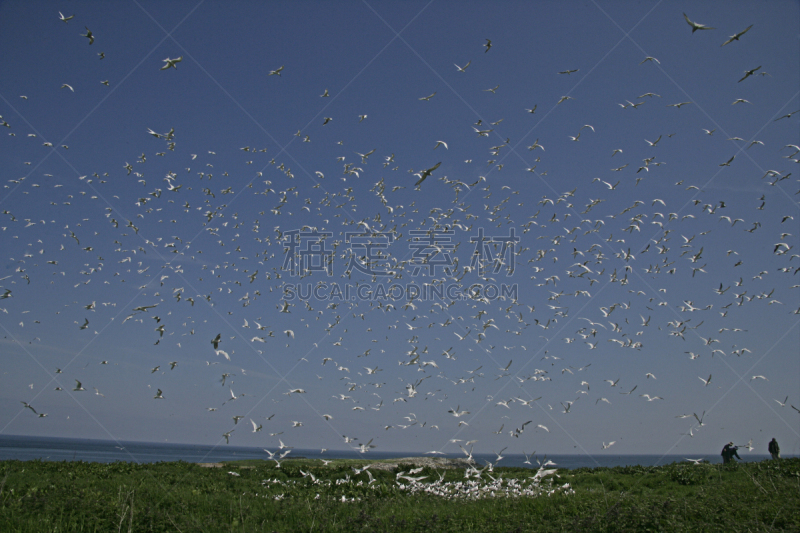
x=774, y=449
x=729, y=452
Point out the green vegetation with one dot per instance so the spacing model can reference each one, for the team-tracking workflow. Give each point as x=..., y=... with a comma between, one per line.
x=256, y=496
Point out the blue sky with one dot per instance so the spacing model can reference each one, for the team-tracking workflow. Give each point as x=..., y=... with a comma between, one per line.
x=635, y=244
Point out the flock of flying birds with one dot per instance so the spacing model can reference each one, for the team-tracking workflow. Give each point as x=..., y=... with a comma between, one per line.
x=564, y=242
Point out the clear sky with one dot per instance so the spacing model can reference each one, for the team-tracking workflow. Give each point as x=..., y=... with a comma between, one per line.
x=655, y=253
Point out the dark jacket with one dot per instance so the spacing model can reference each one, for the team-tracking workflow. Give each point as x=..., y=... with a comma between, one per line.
x=773, y=447
x=729, y=452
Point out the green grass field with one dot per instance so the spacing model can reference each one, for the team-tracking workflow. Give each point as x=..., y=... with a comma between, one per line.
x=256, y=496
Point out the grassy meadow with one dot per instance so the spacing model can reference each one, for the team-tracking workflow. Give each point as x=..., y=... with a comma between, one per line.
x=305, y=495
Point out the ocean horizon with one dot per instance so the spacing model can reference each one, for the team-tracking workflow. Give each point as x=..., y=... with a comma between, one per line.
x=28, y=448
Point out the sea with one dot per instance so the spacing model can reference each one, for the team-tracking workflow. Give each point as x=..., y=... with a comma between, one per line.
x=26, y=448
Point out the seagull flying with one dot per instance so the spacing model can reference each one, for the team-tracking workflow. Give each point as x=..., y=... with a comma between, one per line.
x=735, y=37
x=696, y=26
x=171, y=63
x=425, y=173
